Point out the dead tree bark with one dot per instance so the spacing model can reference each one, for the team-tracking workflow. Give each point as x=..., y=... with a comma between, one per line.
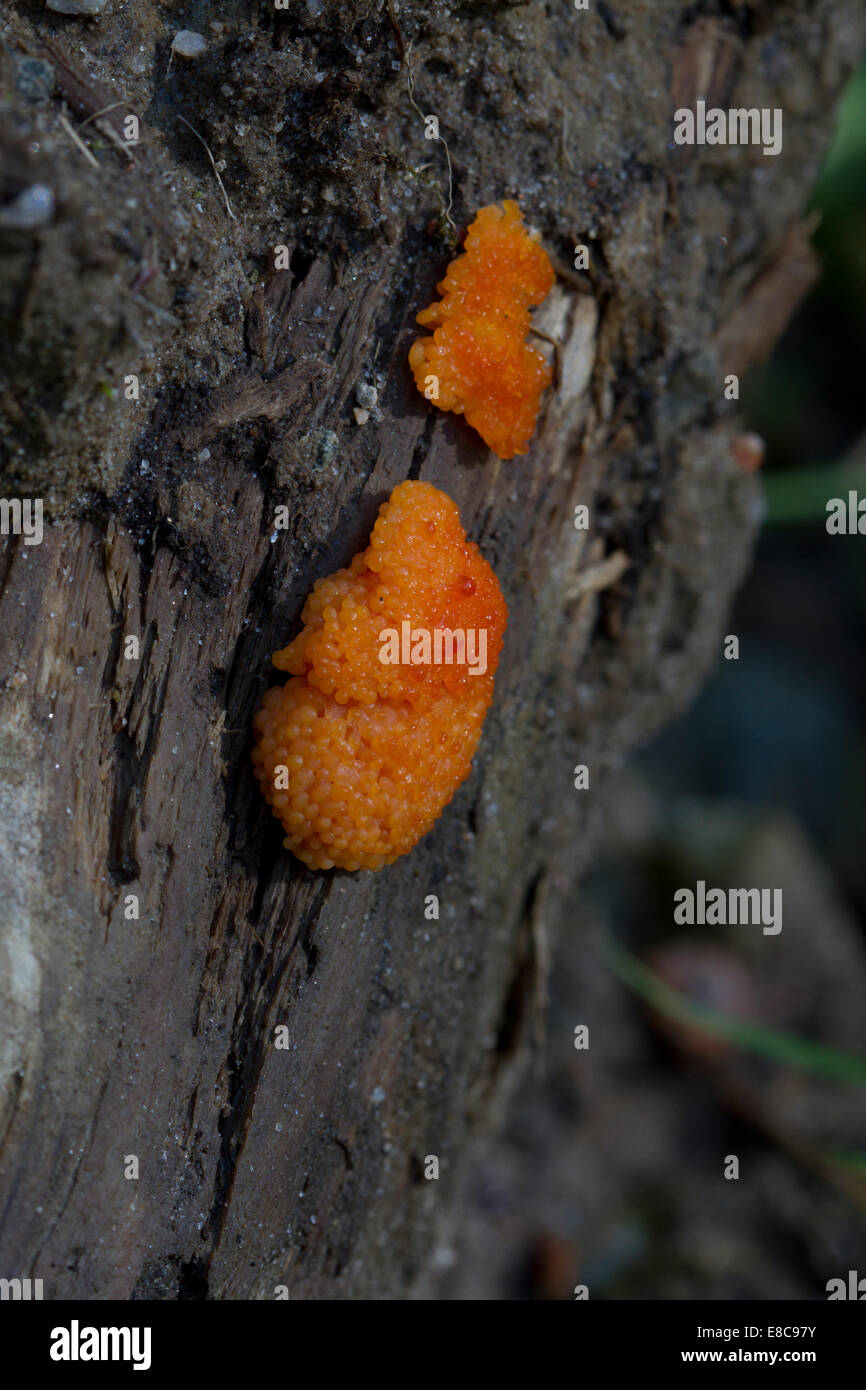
x=168, y=389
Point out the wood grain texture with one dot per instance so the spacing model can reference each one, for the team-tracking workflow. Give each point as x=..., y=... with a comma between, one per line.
x=155, y=1037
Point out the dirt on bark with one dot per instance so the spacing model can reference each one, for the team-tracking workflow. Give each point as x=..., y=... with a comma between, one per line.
x=165, y=386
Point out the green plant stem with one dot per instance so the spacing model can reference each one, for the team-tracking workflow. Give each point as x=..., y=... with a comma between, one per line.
x=753, y=1037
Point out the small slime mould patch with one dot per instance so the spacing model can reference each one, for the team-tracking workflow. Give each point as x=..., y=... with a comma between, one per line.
x=477, y=362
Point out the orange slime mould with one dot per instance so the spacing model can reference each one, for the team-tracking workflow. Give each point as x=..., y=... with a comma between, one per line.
x=477, y=362
x=391, y=677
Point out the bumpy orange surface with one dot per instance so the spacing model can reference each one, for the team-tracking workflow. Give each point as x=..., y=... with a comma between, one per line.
x=372, y=752
x=478, y=355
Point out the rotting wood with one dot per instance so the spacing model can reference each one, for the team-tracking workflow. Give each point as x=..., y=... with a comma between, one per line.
x=154, y=1036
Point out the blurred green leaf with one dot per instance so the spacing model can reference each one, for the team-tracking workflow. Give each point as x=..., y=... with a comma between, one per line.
x=801, y=494
x=772, y=1043
x=848, y=1159
x=840, y=179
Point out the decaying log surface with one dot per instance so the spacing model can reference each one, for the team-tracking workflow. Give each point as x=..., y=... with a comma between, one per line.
x=303, y=1166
